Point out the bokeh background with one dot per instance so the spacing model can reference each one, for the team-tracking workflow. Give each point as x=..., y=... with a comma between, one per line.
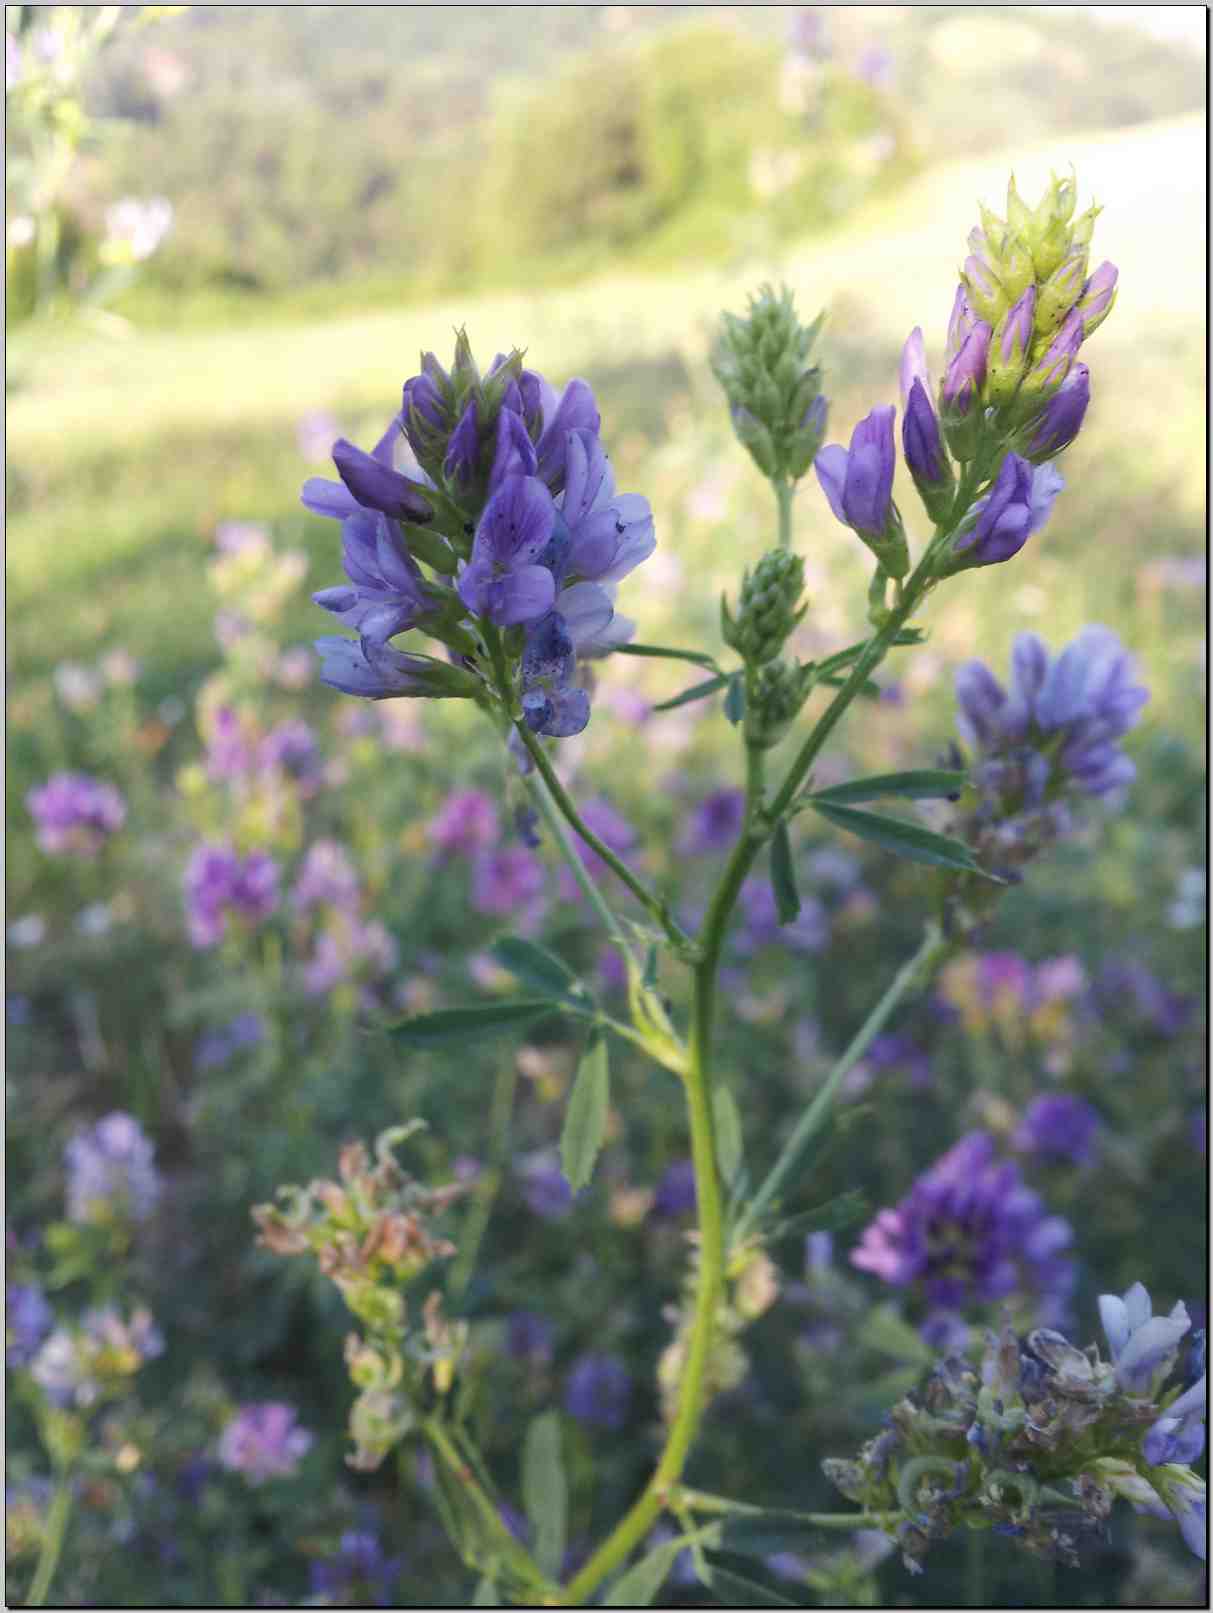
x=229, y=232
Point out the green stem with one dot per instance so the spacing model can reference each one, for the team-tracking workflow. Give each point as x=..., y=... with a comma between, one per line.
x=512, y=1552
x=499, y=1146
x=915, y=973
x=699, y=1085
x=653, y=904
x=785, y=492
x=702, y=1501
x=52, y=1543
x=541, y=793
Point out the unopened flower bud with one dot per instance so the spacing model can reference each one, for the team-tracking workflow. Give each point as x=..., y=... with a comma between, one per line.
x=777, y=692
x=1051, y=366
x=1009, y=349
x=769, y=608
x=1062, y=418
x=1098, y=295
x=1060, y=292
x=761, y=361
x=986, y=293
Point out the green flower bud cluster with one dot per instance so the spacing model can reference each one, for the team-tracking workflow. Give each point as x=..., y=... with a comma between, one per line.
x=774, y=696
x=751, y=1288
x=369, y=1234
x=769, y=609
x=774, y=393
x=1034, y=1440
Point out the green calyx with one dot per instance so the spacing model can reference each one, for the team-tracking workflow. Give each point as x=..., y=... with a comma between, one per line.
x=774, y=696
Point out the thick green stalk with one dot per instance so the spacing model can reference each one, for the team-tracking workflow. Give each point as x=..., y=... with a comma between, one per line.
x=52, y=1543
x=912, y=975
x=785, y=492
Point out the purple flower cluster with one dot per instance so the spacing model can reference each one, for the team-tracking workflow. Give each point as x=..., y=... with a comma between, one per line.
x=969, y=1232
x=111, y=1171
x=347, y=946
x=220, y=884
x=263, y=1441
x=216, y=1048
x=1058, y=1126
x=75, y=813
x=358, y=1572
x=1052, y=735
x=76, y=1366
x=516, y=515
x=465, y=823
x=714, y=824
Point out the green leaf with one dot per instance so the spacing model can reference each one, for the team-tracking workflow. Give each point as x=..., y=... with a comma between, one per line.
x=536, y=967
x=868, y=689
x=544, y=1492
x=661, y=652
x=783, y=875
x=734, y=701
x=924, y=784
x=469, y=1024
x=734, y=1590
x=727, y=1121
x=585, y=1119
x=832, y=1215
x=848, y=657
x=640, y=1584
x=884, y=1330
x=697, y=691
x=650, y=969
x=902, y=838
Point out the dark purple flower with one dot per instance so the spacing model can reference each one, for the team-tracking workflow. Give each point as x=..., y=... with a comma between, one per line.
x=506, y=879
x=463, y=449
x=859, y=482
x=376, y=672
x=264, y=1441
x=368, y=482
x=111, y=1171
x=1019, y=503
x=715, y=823
x=1061, y=421
x=291, y=748
x=529, y=1337
x=465, y=823
x=502, y=581
x=599, y=1392
x=675, y=1193
x=219, y=882
x=970, y=1232
x=386, y=593
x=27, y=1320
x=75, y=813
x=921, y=439
x=1058, y=1126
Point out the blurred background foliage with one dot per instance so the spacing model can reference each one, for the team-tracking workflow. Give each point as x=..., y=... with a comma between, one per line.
x=346, y=184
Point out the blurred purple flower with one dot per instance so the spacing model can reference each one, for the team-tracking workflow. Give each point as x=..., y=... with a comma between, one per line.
x=675, y=1194
x=358, y=1572
x=327, y=878
x=219, y=882
x=75, y=813
x=111, y=1171
x=27, y=1320
x=969, y=1231
x=714, y=824
x=263, y=1441
x=316, y=433
x=598, y=1392
x=215, y=1048
x=1058, y=1126
x=529, y=1337
x=465, y=823
x=545, y=1189
x=506, y=879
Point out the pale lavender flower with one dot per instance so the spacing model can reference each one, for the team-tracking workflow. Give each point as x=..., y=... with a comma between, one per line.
x=346, y=950
x=327, y=878
x=75, y=813
x=264, y=1441
x=111, y=1171
x=1143, y=1346
x=1179, y=1434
